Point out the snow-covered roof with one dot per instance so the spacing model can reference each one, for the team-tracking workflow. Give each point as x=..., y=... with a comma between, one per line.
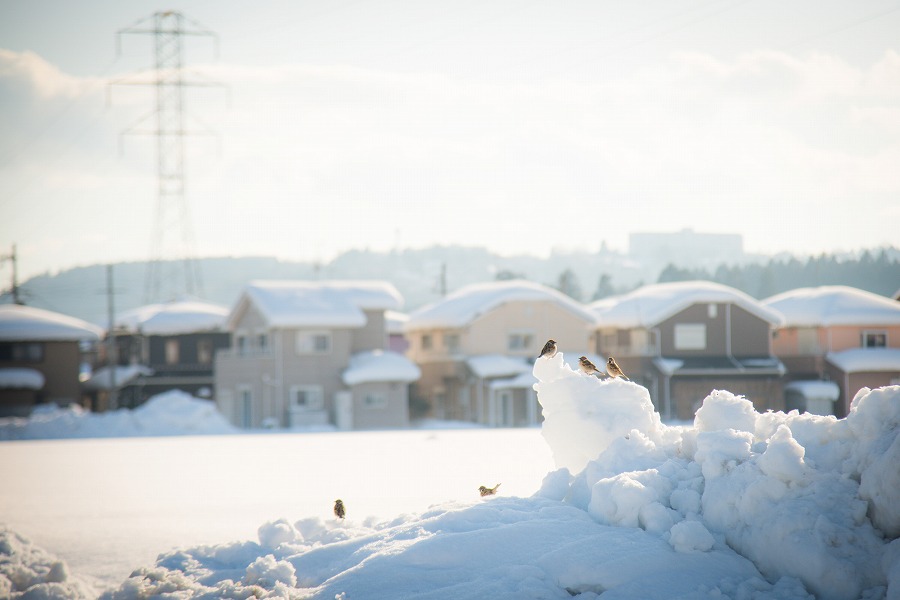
x=101, y=379
x=26, y=323
x=827, y=390
x=497, y=365
x=856, y=360
x=380, y=365
x=317, y=303
x=471, y=302
x=523, y=380
x=650, y=305
x=173, y=318
x=834, y=305
x=21, y=379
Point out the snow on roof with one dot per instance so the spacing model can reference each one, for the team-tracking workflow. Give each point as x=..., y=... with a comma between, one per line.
x=856, y=360
x=471, y=302
x=523, y=380
x=25, y=323
x=649, y=305
x=827, y=390
x=101, y=379
x=497, y=365
x=173, y=318
x=834, y=305
x=380, y=365
x=318, y=303
x=21, y=379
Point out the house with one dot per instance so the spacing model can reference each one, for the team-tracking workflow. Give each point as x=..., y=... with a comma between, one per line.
x=161, y=347
x=313, y=354
x=839, y=334
x=682, y=340
x=476, y=349
x=41, y=357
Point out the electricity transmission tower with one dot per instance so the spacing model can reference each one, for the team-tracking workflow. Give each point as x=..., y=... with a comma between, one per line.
x=171, y=248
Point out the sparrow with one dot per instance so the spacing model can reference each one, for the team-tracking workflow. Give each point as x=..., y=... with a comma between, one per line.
x=339, y=510
x=588, y=367
x=613, y=369
x=486, y=491
x=549, y=349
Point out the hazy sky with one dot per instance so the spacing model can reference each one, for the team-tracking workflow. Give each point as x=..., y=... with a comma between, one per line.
x=522, y=126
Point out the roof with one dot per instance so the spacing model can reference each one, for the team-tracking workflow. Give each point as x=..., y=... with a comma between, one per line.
x=857, y=360
x=523, y=380
x=316, y=303
x=26, y=324
x=497, y=365
x=173, y=318
x=101, y=379
x=732, y=365
x=21, y=379
x=650, y=305
x=380, y=365
x=827, y=390
x=473, y=301
x=834, y=305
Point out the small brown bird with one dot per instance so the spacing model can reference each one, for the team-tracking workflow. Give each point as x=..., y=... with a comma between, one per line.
x=549, y=349
x=587, y=367
x=613, y=369
x=339, y=510
x=486, y=491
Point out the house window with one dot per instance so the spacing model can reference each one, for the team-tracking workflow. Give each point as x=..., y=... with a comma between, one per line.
x=874, y=339
x=807, y=340
x=306, y=397
x=451, y=342
x=240, y=342
x=204, y=352
x=244, y=408
x=374, y=400
x=690, y=336
x=519, y=341
x=313, y=342
x=172, y=354
x=262, y=341
x=712, y=310
x=426, y=341
x=32, y=352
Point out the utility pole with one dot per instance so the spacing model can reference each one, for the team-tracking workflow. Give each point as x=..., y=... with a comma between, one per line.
x=167, y=123
x=112, y=358
x=17, y=299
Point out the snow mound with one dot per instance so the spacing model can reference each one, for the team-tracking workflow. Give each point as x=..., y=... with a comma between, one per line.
x=29, y=572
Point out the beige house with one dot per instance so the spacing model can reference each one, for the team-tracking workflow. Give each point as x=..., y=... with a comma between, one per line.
x=682, y=340
x=843, y=336
x=312, y=354
x=476, y=348
x=41, y=356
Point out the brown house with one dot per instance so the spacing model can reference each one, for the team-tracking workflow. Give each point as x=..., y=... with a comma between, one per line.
x=40, y=358
x=682, y=340
x=839, y=334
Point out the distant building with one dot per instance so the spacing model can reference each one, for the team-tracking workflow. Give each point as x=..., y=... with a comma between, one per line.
x=843, y=336
x=476, y=348
x=41, y=356
x=313, y=353
x=683, y=340
x=686, y=248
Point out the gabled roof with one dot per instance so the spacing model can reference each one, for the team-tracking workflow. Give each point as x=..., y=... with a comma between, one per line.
x=26, y=324
x=858, y=360
x=316, y=303
x=473, y=301
x=834, y=305
x=173, y=318
x=380, y=366
x=650, y=305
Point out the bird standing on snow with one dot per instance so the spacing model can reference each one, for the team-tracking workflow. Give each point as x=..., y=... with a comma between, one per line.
x=613, y=369
x=549, y=349
x=587, y=367
x=339, y=510
x=486, y=491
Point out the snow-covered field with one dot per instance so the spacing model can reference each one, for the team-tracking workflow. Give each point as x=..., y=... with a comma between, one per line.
x=604, y=500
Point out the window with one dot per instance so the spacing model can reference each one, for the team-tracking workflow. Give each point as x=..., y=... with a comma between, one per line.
x=874, y=339
x=451, y=342
x=518, y=341
x=204, y=352
x=262, y=341
x=244, y=408
x=306, y=397
x=712, y=310
x=240, y=342
x=426, y=341
x=172, y=353
x=32, y=352
x=807, y=340
x=690, y=336
x=374, y=400
x=313, y=342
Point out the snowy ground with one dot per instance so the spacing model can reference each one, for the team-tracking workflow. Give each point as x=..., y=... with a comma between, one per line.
x=736, y=505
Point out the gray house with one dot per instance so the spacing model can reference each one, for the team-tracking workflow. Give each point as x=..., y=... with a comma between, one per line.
x=312, y=354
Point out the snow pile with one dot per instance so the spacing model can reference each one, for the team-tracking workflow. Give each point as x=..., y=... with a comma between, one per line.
x=171, y=413
x=28, y=572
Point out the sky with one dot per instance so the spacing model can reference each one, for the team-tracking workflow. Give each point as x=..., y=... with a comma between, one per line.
x=387, y=124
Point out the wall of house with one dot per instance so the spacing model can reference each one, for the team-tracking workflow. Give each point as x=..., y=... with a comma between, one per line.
x=851, y=383
x=749, y=335
x=440, y=386
x=373, y=336
x=844, y=337
x=394, y=413
x=543, y=320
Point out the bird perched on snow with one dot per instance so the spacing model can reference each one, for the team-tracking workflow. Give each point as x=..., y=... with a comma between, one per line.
x=339, y=510
x=549, y=349
x=486, y=491
x=588, y=367
x=613, y=369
